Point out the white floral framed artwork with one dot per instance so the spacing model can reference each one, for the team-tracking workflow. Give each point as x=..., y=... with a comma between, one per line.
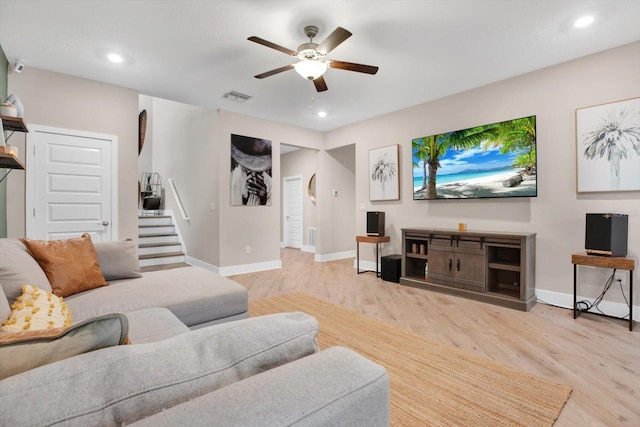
x=384, y=173
x=608, y=147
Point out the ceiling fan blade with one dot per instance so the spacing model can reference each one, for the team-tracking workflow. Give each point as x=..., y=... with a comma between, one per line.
x=276, y=71
x=333, y=40
x=320, y=84
x=272, y=45
x=350, y=66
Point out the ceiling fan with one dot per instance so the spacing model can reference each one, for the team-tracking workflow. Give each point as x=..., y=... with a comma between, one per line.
x=312, y=56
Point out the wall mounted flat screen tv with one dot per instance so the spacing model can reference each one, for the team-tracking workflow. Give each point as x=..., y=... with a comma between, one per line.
x=489, y=161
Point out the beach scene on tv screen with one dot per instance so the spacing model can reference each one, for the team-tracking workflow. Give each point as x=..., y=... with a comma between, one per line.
x=488, y=161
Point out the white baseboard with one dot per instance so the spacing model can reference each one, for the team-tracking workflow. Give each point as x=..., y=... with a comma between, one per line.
x=366, y=265
x=304, y=248
x=205, y=265
x=616, y=309
x=236, y=269
x=334, y=256
x=250, y=268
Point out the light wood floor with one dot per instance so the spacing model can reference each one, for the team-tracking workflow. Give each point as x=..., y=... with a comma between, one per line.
x=598, y=356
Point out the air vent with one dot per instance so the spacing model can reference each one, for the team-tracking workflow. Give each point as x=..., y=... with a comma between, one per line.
x=236, y=96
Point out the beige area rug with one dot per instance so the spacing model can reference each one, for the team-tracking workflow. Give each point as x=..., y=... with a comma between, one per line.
x=431, y=384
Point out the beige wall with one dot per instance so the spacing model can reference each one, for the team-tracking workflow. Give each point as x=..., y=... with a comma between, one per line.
x=337, y=229
x=62, y=101
x=557, y=215
x=255, y=226
x=184, y=146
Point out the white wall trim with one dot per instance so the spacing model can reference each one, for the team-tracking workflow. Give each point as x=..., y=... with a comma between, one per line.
x=205, y=265
x=617, y=309
x=334, y=256
x=367, y=265
x=250, y=268
x=304, y=248
x=235, y=269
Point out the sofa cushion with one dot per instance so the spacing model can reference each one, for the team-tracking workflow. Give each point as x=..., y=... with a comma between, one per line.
x=118, y=259
x=22, y=351
x=193, y=294
x=18, y=268
x=36, y=309
x=153, y=324
x=71, y=265
x=119, y=385
x=335, y=387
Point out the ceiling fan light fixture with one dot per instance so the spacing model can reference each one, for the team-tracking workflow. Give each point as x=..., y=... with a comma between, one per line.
x=310, y=69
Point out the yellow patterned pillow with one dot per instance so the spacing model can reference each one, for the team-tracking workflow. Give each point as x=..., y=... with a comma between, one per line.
x=36, y=309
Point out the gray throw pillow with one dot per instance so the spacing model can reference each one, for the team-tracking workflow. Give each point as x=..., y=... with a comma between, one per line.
x=118, y=259
x=18, y=268
x=22, y=351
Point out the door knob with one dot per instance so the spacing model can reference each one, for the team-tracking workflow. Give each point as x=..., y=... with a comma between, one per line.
x=105, y=223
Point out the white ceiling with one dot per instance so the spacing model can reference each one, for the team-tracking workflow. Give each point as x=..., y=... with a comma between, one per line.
x=194, y=51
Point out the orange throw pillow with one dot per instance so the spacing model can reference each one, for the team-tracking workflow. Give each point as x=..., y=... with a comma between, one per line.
x=70, y=265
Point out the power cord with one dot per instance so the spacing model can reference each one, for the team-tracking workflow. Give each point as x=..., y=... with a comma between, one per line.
x=586, y=305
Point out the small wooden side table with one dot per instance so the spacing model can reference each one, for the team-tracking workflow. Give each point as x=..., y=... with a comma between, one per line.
x=620, y=263
x=370, y=239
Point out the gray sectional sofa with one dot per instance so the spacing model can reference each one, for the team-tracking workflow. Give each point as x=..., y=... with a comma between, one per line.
x=195, y=358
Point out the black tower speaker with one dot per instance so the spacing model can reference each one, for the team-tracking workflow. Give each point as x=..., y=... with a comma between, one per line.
x=390, y=268
x=375, y=224
x=606, y=234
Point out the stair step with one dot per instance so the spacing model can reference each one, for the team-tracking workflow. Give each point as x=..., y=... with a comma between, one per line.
x=164, y=266
x=149, y=245
x=159, y=248
x=160, y=255
x=144, y=230
x=154, y=220
x=157, y=238
x=161, y=259
x=158, y=242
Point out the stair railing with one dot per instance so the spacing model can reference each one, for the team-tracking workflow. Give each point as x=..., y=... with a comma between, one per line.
x=176, y=195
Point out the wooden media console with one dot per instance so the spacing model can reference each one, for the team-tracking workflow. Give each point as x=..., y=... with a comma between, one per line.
x=493, y=267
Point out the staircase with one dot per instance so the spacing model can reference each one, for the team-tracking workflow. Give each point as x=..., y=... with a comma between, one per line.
x=158, y=242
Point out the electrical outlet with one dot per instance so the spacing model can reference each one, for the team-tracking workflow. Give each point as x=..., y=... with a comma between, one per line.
x=247, y=250
x=363, y=207
x=621, y=277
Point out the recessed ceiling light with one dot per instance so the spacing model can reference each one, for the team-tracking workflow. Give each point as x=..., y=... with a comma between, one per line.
x=584, y=21
x=322, y=114
x=115, y=58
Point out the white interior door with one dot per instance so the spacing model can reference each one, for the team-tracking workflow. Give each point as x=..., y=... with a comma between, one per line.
x=292, y=221
x=71, y=184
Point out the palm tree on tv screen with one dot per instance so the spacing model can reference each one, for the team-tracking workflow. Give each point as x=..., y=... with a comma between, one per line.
x=616, y=136
x=518, y=135
x=431, y=148
x=421, y=148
